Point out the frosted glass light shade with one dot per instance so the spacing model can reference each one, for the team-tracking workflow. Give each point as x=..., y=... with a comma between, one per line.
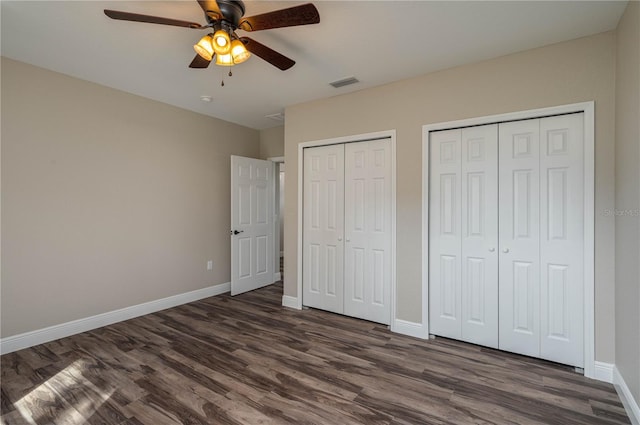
x=226, y=60
x=239, y=53
x=204, y=48
x=221, y=42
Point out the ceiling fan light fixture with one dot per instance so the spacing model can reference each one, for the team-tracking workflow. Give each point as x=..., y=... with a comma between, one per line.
x=221, y=42
x=204, y=47
x=239, y=53
x=225, y=60
x=223, y=17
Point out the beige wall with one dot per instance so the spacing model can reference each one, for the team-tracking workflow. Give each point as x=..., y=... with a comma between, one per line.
x=575, y=71
x=272, y=142
x=627, y=164
x=108, y=199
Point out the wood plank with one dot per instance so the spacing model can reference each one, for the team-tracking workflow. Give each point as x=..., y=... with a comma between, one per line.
x=246, y=359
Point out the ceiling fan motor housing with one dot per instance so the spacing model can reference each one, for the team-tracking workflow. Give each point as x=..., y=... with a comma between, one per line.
x=232, y=11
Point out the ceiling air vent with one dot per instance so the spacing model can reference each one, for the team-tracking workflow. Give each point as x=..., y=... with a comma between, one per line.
x=276, y=117
x=344, y=82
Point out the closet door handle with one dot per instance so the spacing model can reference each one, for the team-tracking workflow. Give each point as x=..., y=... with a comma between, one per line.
x=348, y=240
x=505, y=250
x=339, y=238
x=492, y=249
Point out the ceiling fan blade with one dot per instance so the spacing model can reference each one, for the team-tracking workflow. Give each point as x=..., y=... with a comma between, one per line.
x=268, y=54
x=199, y=62
x=211, y=9
x=298, y=15
x=135, y=17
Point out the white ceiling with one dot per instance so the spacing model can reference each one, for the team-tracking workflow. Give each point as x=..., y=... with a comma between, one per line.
x=376, y=41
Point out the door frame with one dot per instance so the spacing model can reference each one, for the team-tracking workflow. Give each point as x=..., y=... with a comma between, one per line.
x=277, y=214
x=388, y=134
x=589, y=210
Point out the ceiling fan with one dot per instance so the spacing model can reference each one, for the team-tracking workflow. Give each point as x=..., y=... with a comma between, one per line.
x=224, y=17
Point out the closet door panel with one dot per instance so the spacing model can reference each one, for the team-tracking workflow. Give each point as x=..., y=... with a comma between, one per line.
x=323, y=228
x=479, y=219
x=445, y=234
x=368, y=230
x=562, y=238
x=519, y=237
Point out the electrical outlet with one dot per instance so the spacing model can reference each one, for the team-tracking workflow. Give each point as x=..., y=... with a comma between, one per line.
x=210, y=265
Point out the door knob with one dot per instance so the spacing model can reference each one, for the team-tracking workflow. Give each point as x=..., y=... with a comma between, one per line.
x=505, y=250
x=348, y=240
x=492, y=249
x=235, y=232
x=339, y=239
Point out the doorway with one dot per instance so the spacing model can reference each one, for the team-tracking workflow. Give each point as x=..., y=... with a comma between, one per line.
x=278, y=229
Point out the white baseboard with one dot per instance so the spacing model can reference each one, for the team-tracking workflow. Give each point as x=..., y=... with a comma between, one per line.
x=291, y=302
x=40, y=336
x=603, y=371
x=404, y=327
x=629, y=403
x=277, y=277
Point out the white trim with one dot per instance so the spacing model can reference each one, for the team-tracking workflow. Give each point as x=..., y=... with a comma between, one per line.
x=299, y=241
x=275, y=259
x=394, y=189
x=291, y=302
x=629, y=403
x=277, y=215
x=603, y=372
x=391, y=134
x=589, y=207
x=404, y=327
x=40, y=336
x=589, y=239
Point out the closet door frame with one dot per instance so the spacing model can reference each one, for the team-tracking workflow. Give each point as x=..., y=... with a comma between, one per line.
x=588, y=254
x=388, y=134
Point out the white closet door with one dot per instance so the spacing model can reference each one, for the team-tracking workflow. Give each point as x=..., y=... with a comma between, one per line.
x=367, y=267
x=445, y=239
x=519, y=238
x=506, y=236
x=479, y=277
x=562, y=238
x=323, y=227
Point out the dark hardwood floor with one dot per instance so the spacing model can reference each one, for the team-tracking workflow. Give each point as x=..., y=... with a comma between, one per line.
x=247, y=360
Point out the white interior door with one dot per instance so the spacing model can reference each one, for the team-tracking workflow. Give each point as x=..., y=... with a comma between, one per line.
x=519, y=263
x=367, y=223
x=252, y=248
x=479, y=277
x=323, y=228
x=445, y=238
x=562, y=239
